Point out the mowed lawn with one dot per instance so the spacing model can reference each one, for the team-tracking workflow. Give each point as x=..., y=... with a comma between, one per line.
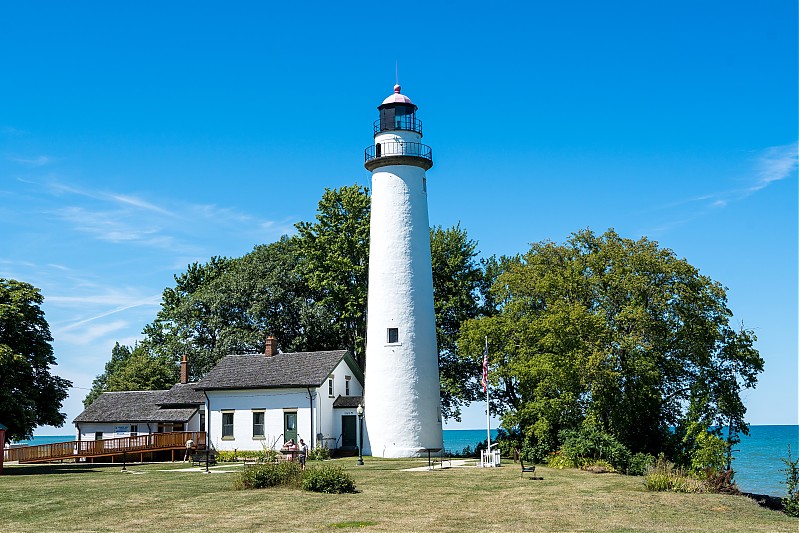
x=165, y=497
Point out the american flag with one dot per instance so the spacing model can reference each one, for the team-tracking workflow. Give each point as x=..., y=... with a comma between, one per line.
x=484, y=381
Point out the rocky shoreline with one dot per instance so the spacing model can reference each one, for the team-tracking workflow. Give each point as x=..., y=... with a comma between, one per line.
x=764, y=500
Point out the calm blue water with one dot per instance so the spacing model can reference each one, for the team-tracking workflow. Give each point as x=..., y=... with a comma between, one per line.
x=757, y=463
x=757, y=459
x=49, y=439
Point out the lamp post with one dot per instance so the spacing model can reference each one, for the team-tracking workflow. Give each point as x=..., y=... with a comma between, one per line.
x=360, y=440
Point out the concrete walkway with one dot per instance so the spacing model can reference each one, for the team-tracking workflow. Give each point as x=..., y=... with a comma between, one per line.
x=455, y=463
x=217, y=469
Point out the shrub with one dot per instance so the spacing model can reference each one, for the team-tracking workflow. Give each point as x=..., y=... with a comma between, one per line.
x=589, y=443
x=230, y=456
x=790, y=504
x=665, y=477
x=720, y=481
x=224, y=456
x=560, y=461
x=597, y=466
x=264, y=475
x=465, y=452
x=327, y=478
x=710, y=452
x=639, y=464
x=320, y=453
x=271, y=455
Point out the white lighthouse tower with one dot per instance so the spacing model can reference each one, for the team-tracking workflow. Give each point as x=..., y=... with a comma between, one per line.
x=402, y=391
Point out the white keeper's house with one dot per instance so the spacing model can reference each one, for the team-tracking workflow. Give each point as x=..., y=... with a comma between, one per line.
x=264, y=400
x=133, y=413
x=250, y=402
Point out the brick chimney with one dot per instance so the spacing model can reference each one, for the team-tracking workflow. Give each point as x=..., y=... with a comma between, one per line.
x=184, y=370
x=271, y=346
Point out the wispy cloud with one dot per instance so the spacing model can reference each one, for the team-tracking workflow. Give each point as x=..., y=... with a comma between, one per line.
x=138, y=202
x=122, y=302
x=38, y=161
x=88, y=335
x=775, y=164
x=113, y=226
x=112, y=197
x=105, y=303
x=771, y=165
x=184, y=228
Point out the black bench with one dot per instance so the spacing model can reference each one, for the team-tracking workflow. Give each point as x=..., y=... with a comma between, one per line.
x=203, y=458
x=526, y=469
x=529, y=469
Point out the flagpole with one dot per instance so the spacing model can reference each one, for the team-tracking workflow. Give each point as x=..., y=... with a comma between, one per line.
x=488, y=405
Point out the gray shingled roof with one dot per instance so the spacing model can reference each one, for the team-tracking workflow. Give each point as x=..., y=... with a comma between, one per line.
x=182, y=394
x=258, y=371
x=133, y=406
x=348, y=401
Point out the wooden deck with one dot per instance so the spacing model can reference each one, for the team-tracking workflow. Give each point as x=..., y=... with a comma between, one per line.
x=110, y=448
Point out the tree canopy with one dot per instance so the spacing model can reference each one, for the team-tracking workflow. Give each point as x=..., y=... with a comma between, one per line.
x=133, y=369
x=615, y=338
x=335, y=261
x=614, y=334
x=457, y=280
x=30, y=395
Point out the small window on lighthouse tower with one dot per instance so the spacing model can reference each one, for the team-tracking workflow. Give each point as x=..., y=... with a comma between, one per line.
x=393, y=335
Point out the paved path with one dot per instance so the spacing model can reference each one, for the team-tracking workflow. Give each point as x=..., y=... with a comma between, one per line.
x=455, y=463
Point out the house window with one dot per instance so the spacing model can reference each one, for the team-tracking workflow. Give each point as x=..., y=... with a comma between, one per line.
x=393, y=335
x=98, y=435
x=258, y=424
x=346, y=385
x=330, y=386
x=227, y=425
x=134, y=430
x=202, y=421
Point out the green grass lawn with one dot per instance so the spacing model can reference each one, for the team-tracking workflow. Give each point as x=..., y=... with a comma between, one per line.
x=161, y=497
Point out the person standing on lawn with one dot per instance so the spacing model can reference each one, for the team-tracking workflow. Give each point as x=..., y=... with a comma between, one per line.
x=189, y=449
x=303, y=453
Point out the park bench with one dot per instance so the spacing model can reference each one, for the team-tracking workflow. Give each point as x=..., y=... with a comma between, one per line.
x=201, y=458
x=529, y=469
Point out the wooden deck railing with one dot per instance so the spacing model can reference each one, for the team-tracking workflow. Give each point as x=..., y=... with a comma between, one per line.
x=93, y=448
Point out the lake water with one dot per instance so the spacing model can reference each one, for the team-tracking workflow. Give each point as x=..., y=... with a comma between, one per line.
x=757, y=463
x=757, y=459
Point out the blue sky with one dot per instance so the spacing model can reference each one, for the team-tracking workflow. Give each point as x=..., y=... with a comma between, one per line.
x=136, y=138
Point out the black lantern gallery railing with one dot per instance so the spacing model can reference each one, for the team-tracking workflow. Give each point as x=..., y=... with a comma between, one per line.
x=389, y=149
x=399, y=122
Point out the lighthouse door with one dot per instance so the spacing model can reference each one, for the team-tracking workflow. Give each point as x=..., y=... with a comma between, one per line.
x=348, y=431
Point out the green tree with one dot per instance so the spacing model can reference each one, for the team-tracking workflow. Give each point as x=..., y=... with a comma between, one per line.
x=133, y=369
x=278, y=300
x=615, y=334
x=30, y=395
x=457, y=278
x=187, y=323
x=144, y=371
x=119, y=356
x=335, y=251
